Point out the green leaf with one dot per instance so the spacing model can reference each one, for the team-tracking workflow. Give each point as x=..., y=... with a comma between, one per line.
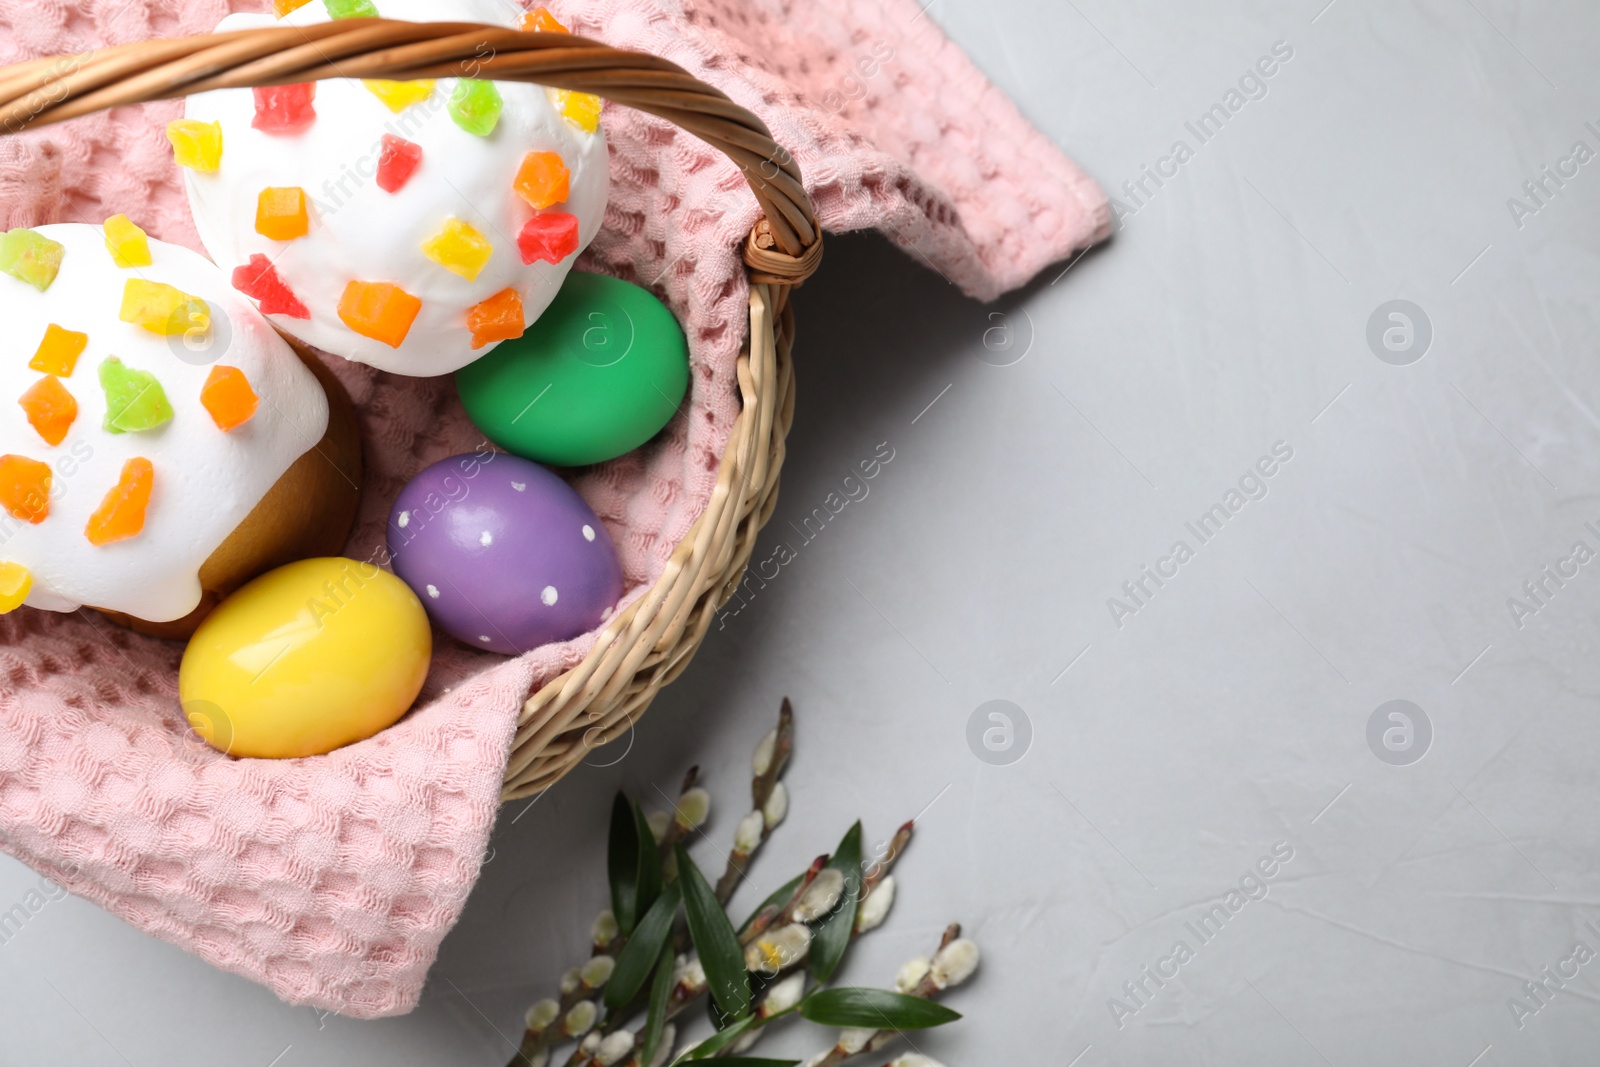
x=751, y=1061
x=638, y=957
x=832, y=937
x=718, y=1041
x=649, y=862
x=714, y=939
x=656, y=1019
x=780, y=897
x=874, y=1009
x=622, y=864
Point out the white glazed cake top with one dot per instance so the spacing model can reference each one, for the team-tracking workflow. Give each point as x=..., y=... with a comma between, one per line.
x=206, y=481
x=360, y=232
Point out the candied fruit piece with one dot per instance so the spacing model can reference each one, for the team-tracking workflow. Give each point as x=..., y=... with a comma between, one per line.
x=135, y=401
x=459, y=248
x=499, y=318
x=397, y=96
x=163, y=309
x=397, y=162
x=196, y=145
x=25, y=488
x=476, y=106
x=51, y=410
x=284, y=7
x=282, y=109
x=539, y=20
x=581, y=110
x=228, y=397
x=543, y=179
x=16, y=582
x=379, y=310
x=551, y=237
x=121, y=514
x=59, y=351
x=351, y=9
x=30, y=256
x=281, y=213
x=127, y=243
x=260, y=281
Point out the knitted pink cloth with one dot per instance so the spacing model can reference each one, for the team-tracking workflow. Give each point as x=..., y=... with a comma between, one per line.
x=333, y=880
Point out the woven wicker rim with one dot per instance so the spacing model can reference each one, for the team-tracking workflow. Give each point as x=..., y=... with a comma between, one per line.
x=652, y=641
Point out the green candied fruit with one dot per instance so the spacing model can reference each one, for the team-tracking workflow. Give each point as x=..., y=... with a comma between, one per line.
x=135, y=401
x=351, y=9
x=32, y=257
x=476, y=106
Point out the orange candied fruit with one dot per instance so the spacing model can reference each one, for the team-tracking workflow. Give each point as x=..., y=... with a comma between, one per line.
x=59, y=351
x=228, y=398
x=286, y=7
x=379, y=310
x=499, y=318
x=25, y=488
x=121, y=514
x=543, y=179
x=539, y=20
x=51, y=410
x=281, y=213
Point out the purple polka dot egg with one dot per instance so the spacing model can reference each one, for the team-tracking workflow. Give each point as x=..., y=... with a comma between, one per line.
x=504, y=554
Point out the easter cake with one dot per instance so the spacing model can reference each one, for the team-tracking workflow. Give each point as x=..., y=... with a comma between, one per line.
x=161, y=444
x=408, y=225
x=414, y=226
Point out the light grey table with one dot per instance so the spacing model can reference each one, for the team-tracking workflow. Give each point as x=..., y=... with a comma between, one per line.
x=1216, y=721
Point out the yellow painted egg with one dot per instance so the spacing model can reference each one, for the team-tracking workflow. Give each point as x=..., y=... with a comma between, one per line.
x=306, y=659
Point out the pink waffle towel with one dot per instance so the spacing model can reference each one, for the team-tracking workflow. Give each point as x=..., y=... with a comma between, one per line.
x=333, y=880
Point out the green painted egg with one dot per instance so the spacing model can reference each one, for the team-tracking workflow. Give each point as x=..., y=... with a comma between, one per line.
x=599, y=374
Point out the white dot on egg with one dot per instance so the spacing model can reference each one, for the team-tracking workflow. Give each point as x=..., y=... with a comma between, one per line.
x=404, y=520
x=433, y=591
x=484, y=638
x=519, y=486
x=588, y=533
x=549, y=595
x=486, y=539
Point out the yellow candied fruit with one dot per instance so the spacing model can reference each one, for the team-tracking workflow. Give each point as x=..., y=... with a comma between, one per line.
x=59, y=351
x=581, y=110
x=397, y=96
x=459, y=248
x=163, y=309
x=16, y=582
x=285, y=7
x=127, y=243
x=196, y=145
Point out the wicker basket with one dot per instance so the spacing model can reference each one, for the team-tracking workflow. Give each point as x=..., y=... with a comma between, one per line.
x=649, y=644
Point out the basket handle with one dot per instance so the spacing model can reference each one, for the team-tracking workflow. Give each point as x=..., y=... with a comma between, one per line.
x=784, y=248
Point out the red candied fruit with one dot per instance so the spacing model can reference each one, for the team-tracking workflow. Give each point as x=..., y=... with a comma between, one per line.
x=259, y=280
x=283, y=109
x=551, y=238
x=398, y=161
